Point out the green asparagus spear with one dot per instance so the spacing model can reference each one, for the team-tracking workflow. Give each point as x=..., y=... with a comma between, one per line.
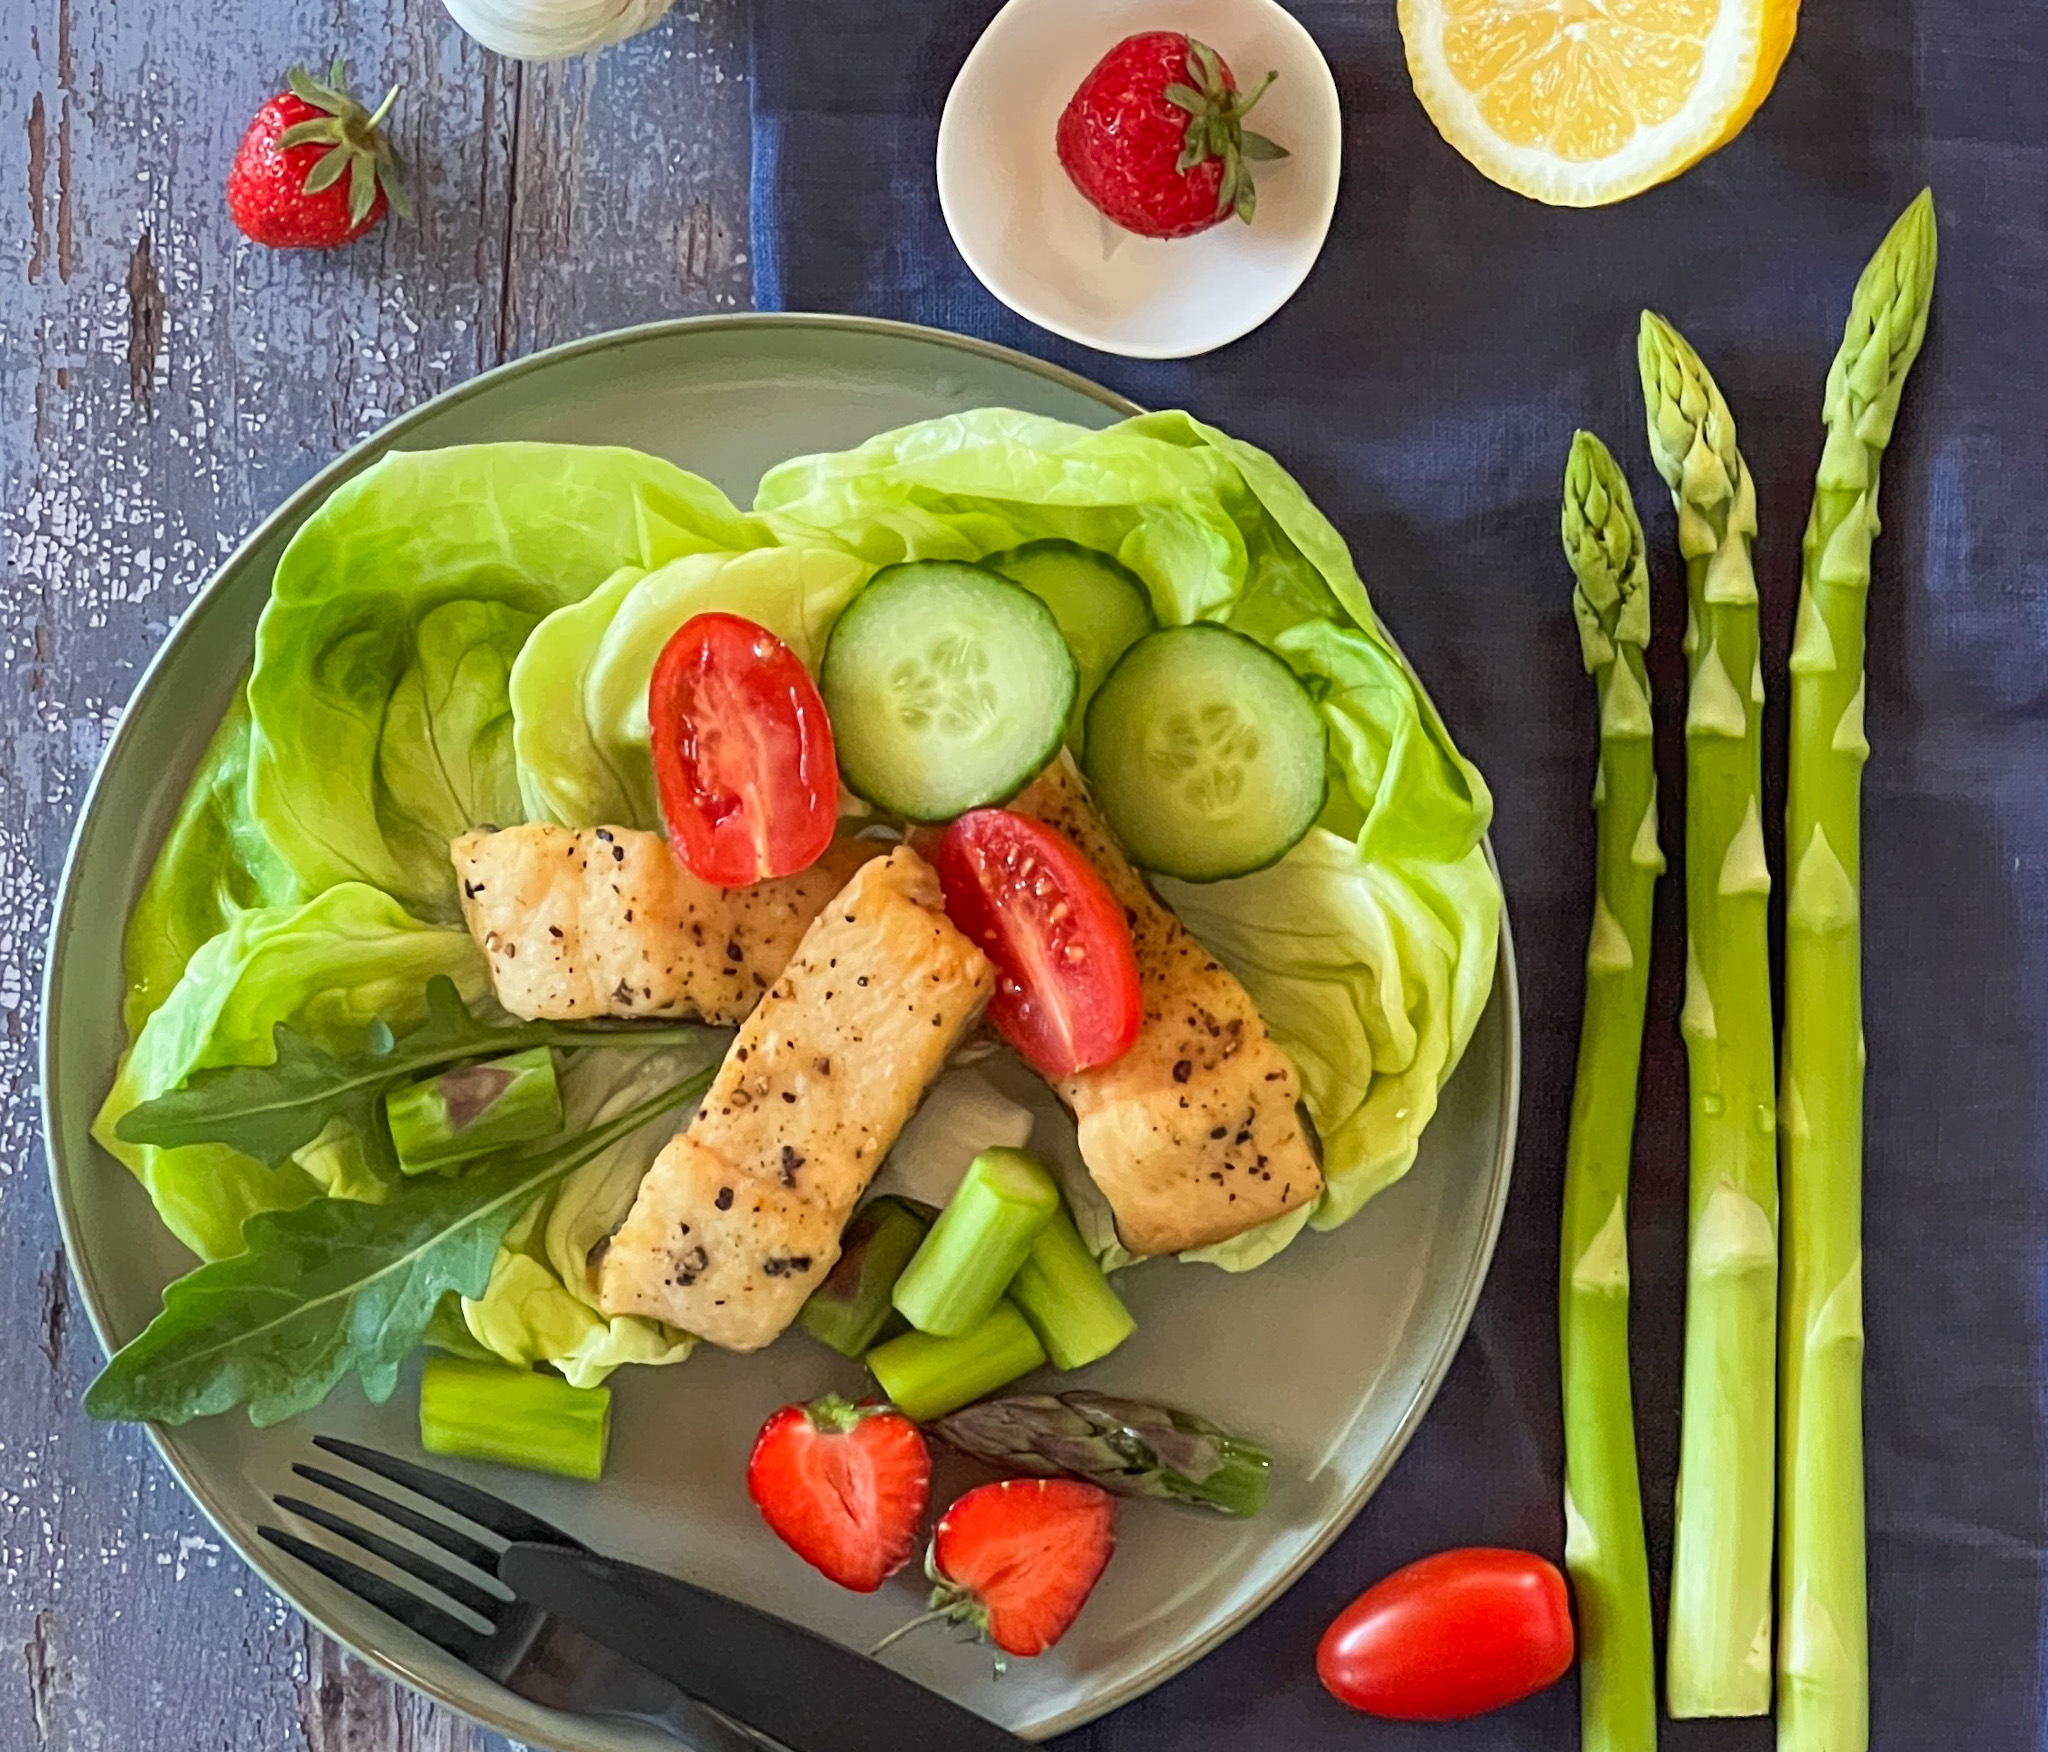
x=472, y=1109
x=1603, y=1501
x=1824, y=1647
x=982, y=1236
x=1078, y=1317
x=851, y=1310
x=1719, y=1655
x=517, y=1417
x=926, y=1377
x=1124, y=1445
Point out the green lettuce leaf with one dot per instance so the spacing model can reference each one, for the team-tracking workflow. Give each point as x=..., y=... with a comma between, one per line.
x=540, y=1303
x=328, y=968
x=1370, y=948
x=214, y=863
x=579, y=689
x=380, y=699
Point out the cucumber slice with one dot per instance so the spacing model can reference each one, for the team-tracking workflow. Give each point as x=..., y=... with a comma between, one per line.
x=1101, y=605
x=1206, y=753
x=948, y=687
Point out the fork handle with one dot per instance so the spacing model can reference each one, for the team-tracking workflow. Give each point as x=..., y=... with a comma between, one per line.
x=788, y=1685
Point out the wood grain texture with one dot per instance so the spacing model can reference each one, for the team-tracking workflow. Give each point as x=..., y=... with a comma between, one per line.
x=162, y=384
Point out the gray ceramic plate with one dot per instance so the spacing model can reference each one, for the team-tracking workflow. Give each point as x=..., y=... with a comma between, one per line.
x=1330, y=1354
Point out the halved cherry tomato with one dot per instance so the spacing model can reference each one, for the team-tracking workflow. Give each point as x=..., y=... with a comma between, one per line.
x=1067, y=994
x=743, y=753
x=1455, y=1635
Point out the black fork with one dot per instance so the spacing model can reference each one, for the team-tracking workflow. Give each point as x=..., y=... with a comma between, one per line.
x=518, y=1645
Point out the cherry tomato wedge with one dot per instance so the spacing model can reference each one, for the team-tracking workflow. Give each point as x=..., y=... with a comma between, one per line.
x=1067, y=994
x=1455, y=1635
x=743, y=753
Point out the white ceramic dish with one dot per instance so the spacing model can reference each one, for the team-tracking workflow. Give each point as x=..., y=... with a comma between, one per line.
x=1040, y=247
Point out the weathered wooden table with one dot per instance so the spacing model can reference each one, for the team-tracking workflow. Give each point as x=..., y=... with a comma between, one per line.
x=163, y=383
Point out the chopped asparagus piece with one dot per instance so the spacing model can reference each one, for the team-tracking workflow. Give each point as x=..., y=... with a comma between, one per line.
x=516, y=1417
x=982, y=1236
x=926, y=1377
x=1063, y=1293
x=465, y=1112
x=851, y=1310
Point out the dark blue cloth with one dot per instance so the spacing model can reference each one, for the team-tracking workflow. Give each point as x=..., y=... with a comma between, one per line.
x=1424, y=386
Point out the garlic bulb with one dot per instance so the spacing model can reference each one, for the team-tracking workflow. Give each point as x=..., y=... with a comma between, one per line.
x=548, y=30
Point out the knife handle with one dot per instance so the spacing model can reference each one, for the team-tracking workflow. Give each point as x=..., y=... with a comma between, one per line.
x=783, y=1682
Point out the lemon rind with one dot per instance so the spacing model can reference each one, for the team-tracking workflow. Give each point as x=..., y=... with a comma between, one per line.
x=1733, y=58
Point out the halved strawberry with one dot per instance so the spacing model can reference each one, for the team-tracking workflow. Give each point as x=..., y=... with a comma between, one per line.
x=1017, y=1561
x=843, y=1486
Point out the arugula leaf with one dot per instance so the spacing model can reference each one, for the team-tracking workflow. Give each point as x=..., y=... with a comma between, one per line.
x=336, y=1287
x=271, y=1111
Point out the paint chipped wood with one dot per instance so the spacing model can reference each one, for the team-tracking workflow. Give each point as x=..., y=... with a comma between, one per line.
x=163, y=383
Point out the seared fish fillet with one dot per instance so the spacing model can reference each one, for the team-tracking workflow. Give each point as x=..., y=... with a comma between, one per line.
x=1192, y=1135
x=605, y=921
x=738, y=1219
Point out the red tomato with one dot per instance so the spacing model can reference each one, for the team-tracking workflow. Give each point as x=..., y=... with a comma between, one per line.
x=1455, y=1635
x=742, y=753
x=1067, y=991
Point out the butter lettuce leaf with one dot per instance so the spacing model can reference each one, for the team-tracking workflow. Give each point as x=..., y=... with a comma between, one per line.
x=328, y=968
x=579, y=688
x=381, y=718
x=214, y=863
x=540, y=1303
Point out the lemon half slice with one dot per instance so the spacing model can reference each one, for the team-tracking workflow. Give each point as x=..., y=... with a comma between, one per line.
x=1582, y=102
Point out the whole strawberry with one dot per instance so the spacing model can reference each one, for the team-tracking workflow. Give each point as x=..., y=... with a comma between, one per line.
x=1155, y=137
x=315, y=169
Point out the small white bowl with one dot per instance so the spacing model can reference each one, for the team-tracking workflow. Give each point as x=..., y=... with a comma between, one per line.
x=1043, y=250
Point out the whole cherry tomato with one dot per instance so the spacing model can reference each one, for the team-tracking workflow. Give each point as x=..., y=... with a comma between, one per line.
x=1454, y=1635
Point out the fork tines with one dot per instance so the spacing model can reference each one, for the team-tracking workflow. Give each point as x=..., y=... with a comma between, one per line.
x=430, y=1619
x=493, y=1514
x=441, y=1628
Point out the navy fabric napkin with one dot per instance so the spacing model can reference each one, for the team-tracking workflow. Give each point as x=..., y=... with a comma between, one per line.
x=1424, y=385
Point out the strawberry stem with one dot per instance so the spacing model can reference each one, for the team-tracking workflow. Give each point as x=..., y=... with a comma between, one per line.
x=902, y=1630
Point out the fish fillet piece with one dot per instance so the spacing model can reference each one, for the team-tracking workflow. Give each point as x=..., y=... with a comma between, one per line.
x=738, y=1219
x=605, y=921
x=1194, y=1134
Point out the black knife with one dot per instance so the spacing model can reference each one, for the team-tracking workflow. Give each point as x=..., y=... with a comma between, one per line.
x=812, y=1694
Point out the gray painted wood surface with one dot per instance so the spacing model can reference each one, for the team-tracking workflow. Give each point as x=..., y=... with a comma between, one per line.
x=163, y=383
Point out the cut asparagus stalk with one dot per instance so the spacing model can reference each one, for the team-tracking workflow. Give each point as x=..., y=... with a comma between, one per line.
x=851, y=1310
x=516, y=1417
x=465, y=1112
x=1718, y=1659
x=982, y=1236
x=1078, y=1317
x=1824, y=1646
x=926, y=1377
x=1603, y=1515
x=1124, y=1445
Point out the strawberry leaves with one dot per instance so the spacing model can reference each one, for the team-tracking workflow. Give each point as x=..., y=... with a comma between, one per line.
x=357, y=145
x=337, y=1287
x=1215, y=129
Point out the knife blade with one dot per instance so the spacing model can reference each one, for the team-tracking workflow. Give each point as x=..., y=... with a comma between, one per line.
x=812, y=1694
